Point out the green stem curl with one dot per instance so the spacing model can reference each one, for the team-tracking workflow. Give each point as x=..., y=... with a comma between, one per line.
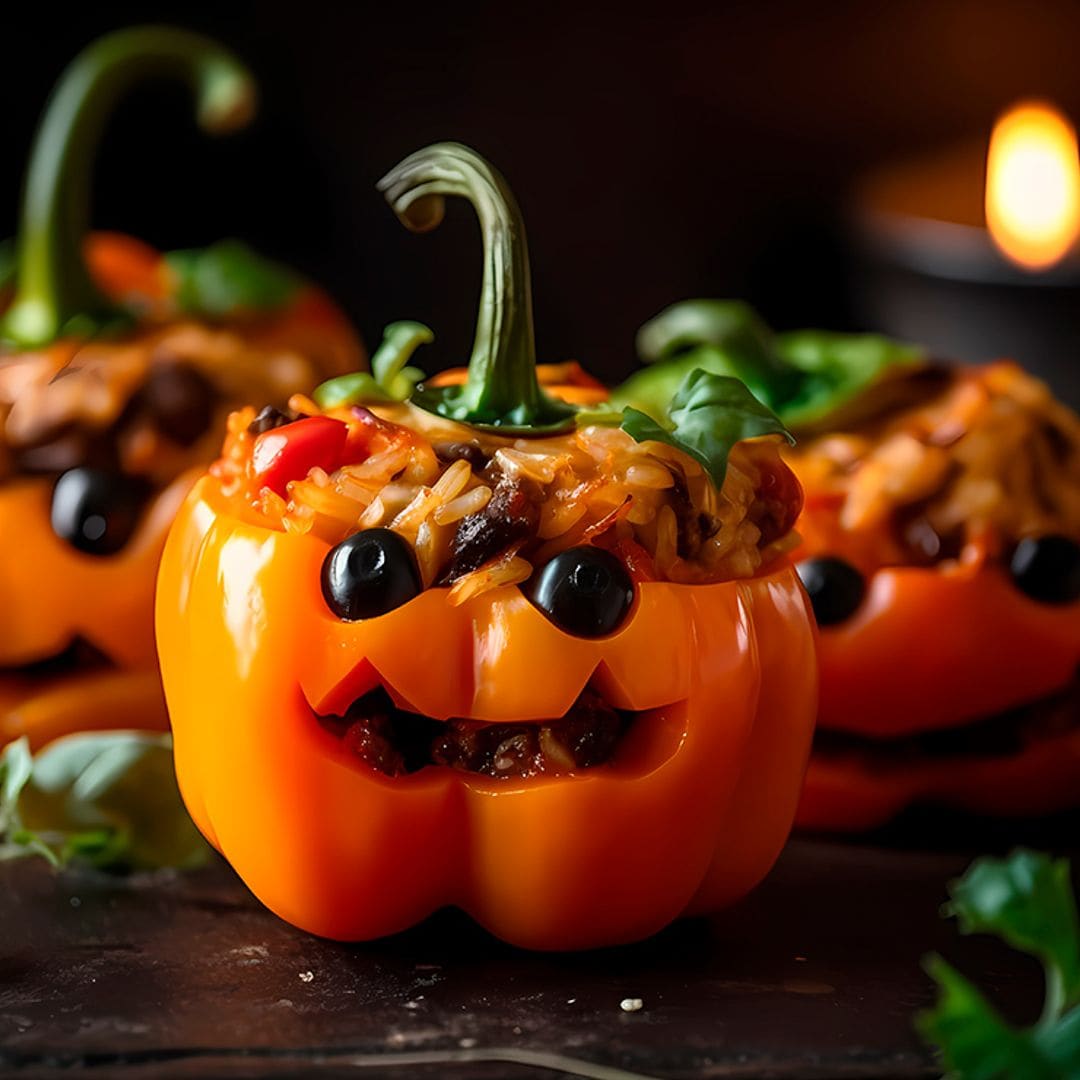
x=501, y=391
x=54, y=291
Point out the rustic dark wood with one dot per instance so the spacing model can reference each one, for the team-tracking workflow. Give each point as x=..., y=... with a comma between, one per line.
x=817, y=975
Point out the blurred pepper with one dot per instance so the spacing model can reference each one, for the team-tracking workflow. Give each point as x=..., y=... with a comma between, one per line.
x=118, y=369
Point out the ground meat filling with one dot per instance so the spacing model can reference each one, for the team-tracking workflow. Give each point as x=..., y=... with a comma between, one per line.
x=1003, y=735
x=396, y=742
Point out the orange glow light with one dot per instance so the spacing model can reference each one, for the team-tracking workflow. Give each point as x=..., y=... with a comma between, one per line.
x=1033, y=186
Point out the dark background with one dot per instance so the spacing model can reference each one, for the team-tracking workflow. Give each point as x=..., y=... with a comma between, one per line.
x=685, y=150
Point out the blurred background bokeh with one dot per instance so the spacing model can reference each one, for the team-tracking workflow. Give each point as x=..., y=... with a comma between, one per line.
x=695, y=149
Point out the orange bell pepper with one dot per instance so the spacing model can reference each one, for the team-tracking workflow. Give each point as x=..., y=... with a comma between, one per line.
x=76, y=644
x=687, y=815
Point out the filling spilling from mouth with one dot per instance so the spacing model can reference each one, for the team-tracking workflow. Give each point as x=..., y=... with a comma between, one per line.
x=1003, y=735
x=397, y=742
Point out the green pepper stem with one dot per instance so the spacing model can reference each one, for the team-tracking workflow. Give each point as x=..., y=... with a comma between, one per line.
x=54, y=292
x=501, y=389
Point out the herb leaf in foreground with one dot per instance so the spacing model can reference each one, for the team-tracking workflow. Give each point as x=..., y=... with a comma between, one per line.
x=104, y=799
x=1027, y=900
x=707, y=417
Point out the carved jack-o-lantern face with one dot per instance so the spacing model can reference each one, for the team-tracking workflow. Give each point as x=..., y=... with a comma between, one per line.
x=941, y=549
x=102, y=435
x=464, y=652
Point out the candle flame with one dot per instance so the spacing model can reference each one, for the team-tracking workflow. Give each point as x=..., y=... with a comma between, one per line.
x=1033, y=186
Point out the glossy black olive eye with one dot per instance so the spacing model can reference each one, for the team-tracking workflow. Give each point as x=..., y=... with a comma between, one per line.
x=835, y=587
x=1047, y=568
x=585, y=591
x=96, y=511
x=369, y=574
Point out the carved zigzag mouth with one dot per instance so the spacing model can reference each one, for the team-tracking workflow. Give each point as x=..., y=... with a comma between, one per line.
x=78, y=657
x=380, y=730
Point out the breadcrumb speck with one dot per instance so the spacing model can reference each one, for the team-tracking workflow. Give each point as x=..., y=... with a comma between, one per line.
x=307, y=976
x=631, y=1004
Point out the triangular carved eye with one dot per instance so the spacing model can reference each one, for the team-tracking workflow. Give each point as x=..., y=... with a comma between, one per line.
x=835, y=588
x=585, y=591
x=1047, y=568
x=369, y=574
x=95, y=510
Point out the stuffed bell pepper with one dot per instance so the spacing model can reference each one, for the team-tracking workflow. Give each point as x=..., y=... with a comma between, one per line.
x=941, y=550
x=483, y=641
x=118, y=368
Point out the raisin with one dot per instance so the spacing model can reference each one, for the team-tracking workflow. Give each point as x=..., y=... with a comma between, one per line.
x=510, y=516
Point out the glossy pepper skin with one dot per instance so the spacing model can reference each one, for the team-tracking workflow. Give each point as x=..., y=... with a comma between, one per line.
x=73, y=289
x=687, y=818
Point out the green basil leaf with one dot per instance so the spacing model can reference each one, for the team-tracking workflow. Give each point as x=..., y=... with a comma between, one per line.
x=707, y=417
x=228, y=278
x=1059, y=1043
x=976, y=1043
x=805, y=376
x=390, y=378
x=107, y=799
x=722, y=337
x=833, y=369
x=1026, y=899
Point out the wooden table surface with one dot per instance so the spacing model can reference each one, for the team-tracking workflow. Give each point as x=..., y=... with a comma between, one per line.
x=165, y=975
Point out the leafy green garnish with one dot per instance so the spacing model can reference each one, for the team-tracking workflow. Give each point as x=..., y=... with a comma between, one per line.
x=723, y=337
x=708, y=415
x=834, y=368
x=104, y=799
x=389, y=380
x=228, y=278
x=1027, y=900
x=804, y=376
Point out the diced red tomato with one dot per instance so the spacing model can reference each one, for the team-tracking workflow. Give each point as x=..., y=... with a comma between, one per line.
x=292, y=451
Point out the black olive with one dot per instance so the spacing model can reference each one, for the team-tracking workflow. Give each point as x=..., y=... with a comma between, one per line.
x=1047, y=568
x=585, y=591
x=835, y=587
x=180, y=401
x=95, y=510
x=270, y=418
x=369, y=574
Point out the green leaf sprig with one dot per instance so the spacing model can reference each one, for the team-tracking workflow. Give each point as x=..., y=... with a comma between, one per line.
x=103, y=799
x=1027, y=900
x=708, y=415
x=804, y=376
x=390, y=378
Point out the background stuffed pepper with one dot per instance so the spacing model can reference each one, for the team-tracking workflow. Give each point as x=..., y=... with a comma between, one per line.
x=941, y=549
x=118, y=368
